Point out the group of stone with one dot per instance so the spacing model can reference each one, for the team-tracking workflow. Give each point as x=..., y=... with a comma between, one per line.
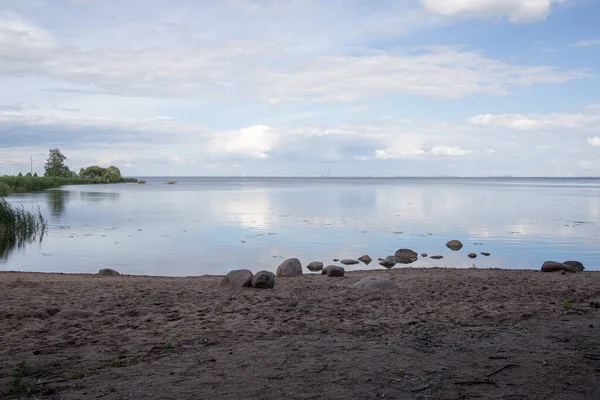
x=567, y=266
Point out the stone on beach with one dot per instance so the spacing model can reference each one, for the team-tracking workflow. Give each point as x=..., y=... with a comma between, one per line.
x=365, y=259
x=239, y=278
x=334, y=271
x=406, y=256
x=454, y=245
x=575, y=264
x=108, y=272
x=376, y=283
x=349, y=262
x=263, y=280
x=315, y=266
x=289, y=268
x=389, y=262
x=553, y=266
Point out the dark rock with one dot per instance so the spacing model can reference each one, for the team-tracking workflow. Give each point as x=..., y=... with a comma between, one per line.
x=575, y=264
x=376, y=283
x=406, y=256
x=483, y=253
x=333, y=271
x=553, y=266
x=454, y=245
x=289, y=268
x=108, y=272
x=263, y=280
x=424, y=255
x=380, y=259
x=239, y=278
x=389, y=262
x=472, y=255
x=436, y=257
x=315, y=266
x=336, y=260
x=324, y=271
x=349, y=262
x=595, y=303
x=365, y=259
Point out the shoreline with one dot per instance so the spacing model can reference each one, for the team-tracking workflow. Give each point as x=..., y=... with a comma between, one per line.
x=79, y=336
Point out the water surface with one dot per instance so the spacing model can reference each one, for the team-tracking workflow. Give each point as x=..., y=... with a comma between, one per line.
x=212, y=225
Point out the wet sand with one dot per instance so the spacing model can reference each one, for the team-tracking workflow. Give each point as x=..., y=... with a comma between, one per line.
x=444, y=334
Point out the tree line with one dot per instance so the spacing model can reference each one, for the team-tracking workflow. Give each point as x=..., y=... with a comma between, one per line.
x=55, y=167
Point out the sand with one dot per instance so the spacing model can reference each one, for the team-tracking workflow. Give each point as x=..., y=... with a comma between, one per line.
x=444, y=334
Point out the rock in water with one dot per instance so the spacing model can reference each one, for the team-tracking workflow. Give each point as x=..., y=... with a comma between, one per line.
x=376, y=283
x=454, y=245
x=553, y=266
x=263, y=280
x=239, y=278
x=315, y=266
x=472, y=255
x=389, y=262
x=333, y=271
x=423, y=255
x=483, y=253
x=365, y=259
x=289, y=268
x=108, y=272
x=575, y=264
x=436, y=257
x=406, y=256
x=349, y=262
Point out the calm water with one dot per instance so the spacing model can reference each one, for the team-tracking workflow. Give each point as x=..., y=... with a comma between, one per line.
x=209, y=226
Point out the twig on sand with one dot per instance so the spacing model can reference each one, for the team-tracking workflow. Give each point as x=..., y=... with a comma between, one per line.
x=475, y=382
x=598, y=366
x=500, y=370
x=284, y=360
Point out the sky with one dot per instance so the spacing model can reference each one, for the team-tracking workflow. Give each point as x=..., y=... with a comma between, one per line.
x=302, y=87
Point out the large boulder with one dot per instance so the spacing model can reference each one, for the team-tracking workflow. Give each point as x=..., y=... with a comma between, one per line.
x=315, y=266
x=388, y=262
x=289, y=268
x=239, y=278
x=553, y=266
x=454, y=245
x=334, y=271
x=376, y=283
x=406, y=256
x=575, y=264
x=365, y=259
x=349, y=262
x=108, y=272
x=324, y=270
x=263, y=280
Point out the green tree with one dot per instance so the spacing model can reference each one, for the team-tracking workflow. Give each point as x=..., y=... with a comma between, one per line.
x=55, y=165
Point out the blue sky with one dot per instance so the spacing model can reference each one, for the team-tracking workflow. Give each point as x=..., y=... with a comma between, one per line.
x=298, y=87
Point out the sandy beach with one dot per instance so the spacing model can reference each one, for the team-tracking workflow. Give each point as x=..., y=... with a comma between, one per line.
x=444, y=334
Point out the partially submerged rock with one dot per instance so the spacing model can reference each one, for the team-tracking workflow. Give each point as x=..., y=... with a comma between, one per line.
x=575, y=264
x=436, y=257
x=406, y=256
x=389, y=262
x=472, y=255
x=239, y=278
x=263, y=280
x=315, y=266
x=553, y=266
x=365, y=259
x=483, y=253
x=376, y=283
x=349, y=262
x=334, y=271
x=108, y=272
x=454, y=245
x=289, y=268
x=423, y=255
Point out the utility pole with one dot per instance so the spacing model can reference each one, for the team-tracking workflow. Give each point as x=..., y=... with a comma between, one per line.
x=31, y=165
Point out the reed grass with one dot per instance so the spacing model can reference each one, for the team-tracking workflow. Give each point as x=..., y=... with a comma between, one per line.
x=18, y=227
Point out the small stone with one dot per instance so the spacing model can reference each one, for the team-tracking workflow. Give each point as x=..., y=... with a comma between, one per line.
x=472, y=255
x=436, y=257
x=349, y=262
x=595, y=303
x=389, y=262
x=376, y=283
x=423, y=255
x=290, y=268
x=406, y=256
x=315, y=266
x=575, y=264
x=239, y=278
x=454, y=245
x=365, y=259
x=263, y=280
x=333, y=271
x=483, y=253
x=336, y=260
x=553, y=266
x=108, y=272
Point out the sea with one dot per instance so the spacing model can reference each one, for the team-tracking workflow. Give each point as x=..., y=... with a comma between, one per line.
x=211, y=225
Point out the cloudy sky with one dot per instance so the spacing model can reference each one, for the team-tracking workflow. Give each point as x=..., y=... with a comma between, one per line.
x=298, y=87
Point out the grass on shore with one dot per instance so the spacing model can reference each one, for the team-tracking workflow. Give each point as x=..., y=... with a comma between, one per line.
x=18, y=227
x=25, y=184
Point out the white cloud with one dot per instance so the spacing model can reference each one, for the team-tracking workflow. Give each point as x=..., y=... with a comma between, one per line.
x=515, y=10
x=448, y=151
x=526, y=122
x=254, y=142
x=594, y=141
x=587, y=43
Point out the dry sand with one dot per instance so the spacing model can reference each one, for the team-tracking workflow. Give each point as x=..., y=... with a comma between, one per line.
x=445, y=334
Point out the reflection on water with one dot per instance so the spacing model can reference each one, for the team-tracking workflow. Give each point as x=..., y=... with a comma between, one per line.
x=203, y=225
